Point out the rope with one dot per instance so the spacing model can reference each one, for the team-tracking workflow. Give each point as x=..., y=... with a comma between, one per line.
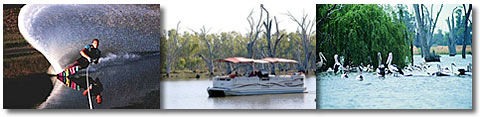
x=88, y=90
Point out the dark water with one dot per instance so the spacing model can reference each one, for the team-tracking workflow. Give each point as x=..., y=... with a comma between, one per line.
x=192, y=94
x=421, y=92
x=126, y=83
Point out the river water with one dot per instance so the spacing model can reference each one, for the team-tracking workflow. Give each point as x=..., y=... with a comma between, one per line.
x=129, y=39
x=417, y=92
x=127, y=80
x=192, y=94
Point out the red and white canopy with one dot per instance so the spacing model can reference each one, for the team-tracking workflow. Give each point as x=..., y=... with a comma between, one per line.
x=236, y=60
x=279, y=60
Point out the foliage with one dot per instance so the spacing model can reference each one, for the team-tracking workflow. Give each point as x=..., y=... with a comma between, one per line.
x=229, y=44
x=359, y=32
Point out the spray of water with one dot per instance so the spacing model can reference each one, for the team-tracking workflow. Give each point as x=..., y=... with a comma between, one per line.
x=59, y=32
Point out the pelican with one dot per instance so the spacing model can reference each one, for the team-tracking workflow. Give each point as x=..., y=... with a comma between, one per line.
x=344, y=75
x=329, y=70
x=364, y=68
x=337, y=66
x=359, y=76
x=322, y=58
x=469, y=67
x=370, y=68
x=381, y=68
x=460, y=71
x=392, y=67
x=439, y=72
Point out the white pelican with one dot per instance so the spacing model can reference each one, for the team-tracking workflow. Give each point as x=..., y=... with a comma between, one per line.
x=337, y=66
x=469, y=67
x=381, y=68
x=440, y=71
x=461, y=71
x=392, y=67
x=322, y=58
x=344, y=75
x=359, y=76
x=329, y=70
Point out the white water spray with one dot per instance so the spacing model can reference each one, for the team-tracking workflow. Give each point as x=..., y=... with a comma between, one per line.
x=60, y=31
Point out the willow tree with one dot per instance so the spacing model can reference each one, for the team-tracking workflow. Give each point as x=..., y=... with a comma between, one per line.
x=358, y=33
x=324, y=14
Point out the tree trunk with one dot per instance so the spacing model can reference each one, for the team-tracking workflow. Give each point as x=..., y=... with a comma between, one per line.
x=209, y=64
x=255, y=29
x=411, y=53
x=465, y=34
x=173, y=49
x=451, y=39
x=423, y=35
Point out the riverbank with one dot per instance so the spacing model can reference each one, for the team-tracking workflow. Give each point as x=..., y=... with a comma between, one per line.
x=19, y=57
x=25, y=81
x=204, y=74
x=443, y=50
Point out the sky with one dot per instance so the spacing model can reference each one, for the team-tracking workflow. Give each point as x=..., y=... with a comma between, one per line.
x=446, y=12
x=225, y=16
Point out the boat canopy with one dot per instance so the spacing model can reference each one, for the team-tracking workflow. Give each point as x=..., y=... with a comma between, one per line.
x=248, y=60
x=279, y=60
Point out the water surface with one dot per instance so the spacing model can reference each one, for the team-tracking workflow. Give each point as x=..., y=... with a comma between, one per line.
x=192, y=94
x=126, y=82
x=418, y=92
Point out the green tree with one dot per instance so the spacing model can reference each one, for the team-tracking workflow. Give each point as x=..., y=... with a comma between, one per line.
x=358, y=33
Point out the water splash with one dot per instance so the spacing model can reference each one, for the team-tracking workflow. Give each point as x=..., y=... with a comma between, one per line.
x=59, y=32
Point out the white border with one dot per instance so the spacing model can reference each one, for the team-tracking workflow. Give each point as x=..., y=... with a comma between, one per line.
x=243, y=113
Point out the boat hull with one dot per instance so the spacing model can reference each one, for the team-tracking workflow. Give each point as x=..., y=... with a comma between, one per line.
x=221, y=92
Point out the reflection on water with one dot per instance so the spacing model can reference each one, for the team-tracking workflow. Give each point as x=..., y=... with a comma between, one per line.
x=420, y=92
x=124, y=85
x=193, y=94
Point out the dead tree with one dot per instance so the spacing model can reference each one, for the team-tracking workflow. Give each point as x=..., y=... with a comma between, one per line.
x=306, y=30
x=253, y=33
x=426, y=26
x=451, y=39
x=465, y=33
x=210, y=57
x=432, y=24
x=173, y=48
x=268, y=35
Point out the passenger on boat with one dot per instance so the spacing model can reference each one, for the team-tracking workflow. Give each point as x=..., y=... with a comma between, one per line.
x=234, y=75
x=254, y=73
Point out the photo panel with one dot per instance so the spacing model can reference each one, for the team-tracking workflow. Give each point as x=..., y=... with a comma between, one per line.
x=239, y=55
x=81, y=56
x=394, y=56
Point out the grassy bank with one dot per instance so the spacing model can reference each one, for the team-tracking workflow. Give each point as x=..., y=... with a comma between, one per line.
x=19, y=58
x=25, y=82
x=444, y=50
